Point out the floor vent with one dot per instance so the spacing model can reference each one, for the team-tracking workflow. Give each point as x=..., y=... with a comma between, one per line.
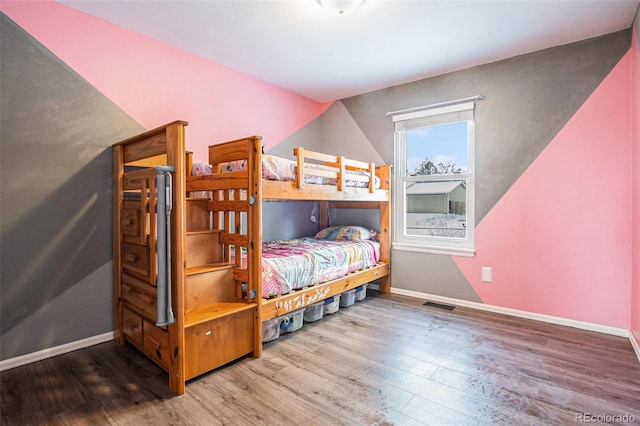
x=440, y=306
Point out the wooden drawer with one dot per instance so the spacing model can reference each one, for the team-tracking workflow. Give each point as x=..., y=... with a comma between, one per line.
x=156, y=344
x=133, y=223
x=135, y=259
x=140, y=295
x=132, y=327
x=214, y=343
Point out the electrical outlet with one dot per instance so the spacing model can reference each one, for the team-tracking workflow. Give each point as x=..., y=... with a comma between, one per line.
x=487, y=274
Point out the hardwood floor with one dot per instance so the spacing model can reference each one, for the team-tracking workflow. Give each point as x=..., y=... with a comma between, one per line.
x=386, y=360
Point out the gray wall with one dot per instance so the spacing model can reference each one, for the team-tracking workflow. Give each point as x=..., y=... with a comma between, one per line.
x=283, y=220
x=529, y=99
x=55, y=191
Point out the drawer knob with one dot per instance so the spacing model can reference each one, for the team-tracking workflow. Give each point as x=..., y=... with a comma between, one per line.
x=130, y=257
x=208, y=333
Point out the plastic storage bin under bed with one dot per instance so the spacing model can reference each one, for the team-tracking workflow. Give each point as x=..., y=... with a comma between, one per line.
x=314, y=312
x=274, y=327
x=361, y=293
x=271, y=329
x=331, y=305
x=292, y=321
x=347, y=298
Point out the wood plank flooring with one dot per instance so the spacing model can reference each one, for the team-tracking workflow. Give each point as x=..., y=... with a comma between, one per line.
x=386, y=360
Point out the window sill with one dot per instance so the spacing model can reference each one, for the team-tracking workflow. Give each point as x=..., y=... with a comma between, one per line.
x=421, y=248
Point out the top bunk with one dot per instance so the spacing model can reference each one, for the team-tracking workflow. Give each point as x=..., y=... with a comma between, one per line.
x=311, y=176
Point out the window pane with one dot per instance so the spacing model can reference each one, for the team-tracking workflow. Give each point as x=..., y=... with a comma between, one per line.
x=437, y=150
x=436, y=208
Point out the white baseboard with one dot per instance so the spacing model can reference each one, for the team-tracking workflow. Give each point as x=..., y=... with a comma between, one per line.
x=634, y=343
x=57, y=350
x=615, y=331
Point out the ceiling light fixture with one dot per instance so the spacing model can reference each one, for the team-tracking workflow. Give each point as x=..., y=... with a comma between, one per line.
x=340, y=7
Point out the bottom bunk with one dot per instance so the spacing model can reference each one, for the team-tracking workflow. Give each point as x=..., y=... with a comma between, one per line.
x=299, y=272
x=303, y=278
x=299, y=299
x=286, y=313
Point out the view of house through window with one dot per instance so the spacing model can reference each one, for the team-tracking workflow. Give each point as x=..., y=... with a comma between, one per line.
x=436, y=207
x=434, y=178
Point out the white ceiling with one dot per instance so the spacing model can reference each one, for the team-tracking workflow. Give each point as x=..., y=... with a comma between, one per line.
x=298, y=46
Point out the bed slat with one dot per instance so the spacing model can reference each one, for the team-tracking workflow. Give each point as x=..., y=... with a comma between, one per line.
x=231, y=180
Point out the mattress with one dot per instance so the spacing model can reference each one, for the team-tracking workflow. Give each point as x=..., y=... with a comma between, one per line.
x=282, y=169
x=292, y=264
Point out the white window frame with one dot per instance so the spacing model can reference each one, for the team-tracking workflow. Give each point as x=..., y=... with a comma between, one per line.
x=449, y=113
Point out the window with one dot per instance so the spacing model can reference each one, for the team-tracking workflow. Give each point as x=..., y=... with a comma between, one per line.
x=434, y=183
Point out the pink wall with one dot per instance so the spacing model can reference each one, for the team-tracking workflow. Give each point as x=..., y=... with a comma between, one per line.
x=156, y=83
x=635, y=110
x=543, y=240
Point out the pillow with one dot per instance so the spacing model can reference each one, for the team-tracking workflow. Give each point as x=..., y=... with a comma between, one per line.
x=200, y=168
x=346, y=233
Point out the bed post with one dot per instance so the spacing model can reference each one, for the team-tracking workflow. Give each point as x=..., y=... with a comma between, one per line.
x=254, y=222
x=176, y=157
x=385, y=228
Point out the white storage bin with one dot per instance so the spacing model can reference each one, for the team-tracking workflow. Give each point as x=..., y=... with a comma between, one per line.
x=361, y=293
x=347, y=298
x=332, y=304
x=292, y=321
x=271, y=329
x=313, y=312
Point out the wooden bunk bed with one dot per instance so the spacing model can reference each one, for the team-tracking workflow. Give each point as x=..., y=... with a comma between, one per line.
x=215, y=252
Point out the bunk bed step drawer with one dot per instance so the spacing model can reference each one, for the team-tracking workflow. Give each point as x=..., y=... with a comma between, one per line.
x=203, y=248
x=214, y=343
x=132, y=327
x=133, y=224
x=135, y=259
x=140, y=295
x=156, y=343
